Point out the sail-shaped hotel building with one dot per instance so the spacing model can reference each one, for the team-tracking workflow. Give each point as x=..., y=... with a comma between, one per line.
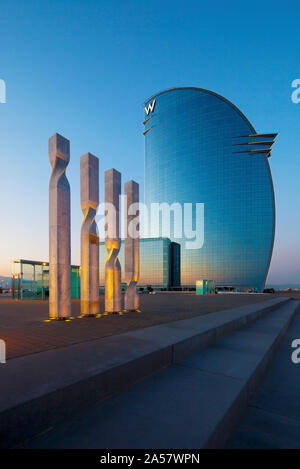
x=200, y=148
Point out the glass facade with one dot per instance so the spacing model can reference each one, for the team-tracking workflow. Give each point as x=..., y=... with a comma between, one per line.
x=157, y=267
x=199, y=148
x=175, y=264
x=30, y=279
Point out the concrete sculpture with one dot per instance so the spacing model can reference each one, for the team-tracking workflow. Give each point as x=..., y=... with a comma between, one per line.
x=89, y=194
x=113, y=298
x=132, y=248
x=59, y=230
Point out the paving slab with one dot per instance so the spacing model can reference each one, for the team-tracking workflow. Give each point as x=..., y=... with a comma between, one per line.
x=265, y=430
x=272, y=418
x=23, y=328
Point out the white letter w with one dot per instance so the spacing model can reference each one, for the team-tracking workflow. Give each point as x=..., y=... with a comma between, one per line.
x=150, y=108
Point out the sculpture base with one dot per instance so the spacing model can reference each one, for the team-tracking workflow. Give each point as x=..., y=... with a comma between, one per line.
x=62, y=319
x=90, y=315
x=132, y=311
x=106, y=313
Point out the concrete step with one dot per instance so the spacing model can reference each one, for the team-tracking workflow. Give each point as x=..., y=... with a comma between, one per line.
x=244, y=356
x=272, y=418
x=195, y=403
x=42, y=389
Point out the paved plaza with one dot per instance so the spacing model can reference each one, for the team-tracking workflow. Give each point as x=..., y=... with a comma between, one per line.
x=24, y=328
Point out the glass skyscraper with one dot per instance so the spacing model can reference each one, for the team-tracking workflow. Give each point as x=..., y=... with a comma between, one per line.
x=200, y=148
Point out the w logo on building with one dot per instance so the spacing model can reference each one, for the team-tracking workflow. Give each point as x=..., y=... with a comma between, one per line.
x=2, y=92
x=150, y=107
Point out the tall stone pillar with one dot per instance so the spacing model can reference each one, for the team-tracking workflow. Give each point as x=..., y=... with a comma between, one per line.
x=89, y=274
x=59, y=229
x=113, y=299
x=132, y=246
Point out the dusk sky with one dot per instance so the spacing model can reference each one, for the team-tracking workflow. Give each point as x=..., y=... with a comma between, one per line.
x=84, y=68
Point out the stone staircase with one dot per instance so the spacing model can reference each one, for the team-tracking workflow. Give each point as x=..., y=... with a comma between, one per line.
x=185, y=383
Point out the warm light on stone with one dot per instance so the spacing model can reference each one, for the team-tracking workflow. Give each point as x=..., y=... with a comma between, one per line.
x=89, y=193
x=59, y=229
x=132, y=248
x=113, y=303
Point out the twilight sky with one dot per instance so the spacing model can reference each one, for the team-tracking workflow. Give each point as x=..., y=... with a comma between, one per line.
x=84, y=68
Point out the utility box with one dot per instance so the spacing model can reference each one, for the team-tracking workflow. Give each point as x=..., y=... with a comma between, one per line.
x=205, y=287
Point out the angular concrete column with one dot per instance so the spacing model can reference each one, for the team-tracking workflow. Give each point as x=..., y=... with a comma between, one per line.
x=113, y=303
x=59, y=229
x=132, y=246
x=89, y=273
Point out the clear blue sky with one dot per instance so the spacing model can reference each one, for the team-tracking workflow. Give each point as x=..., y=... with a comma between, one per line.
x=84, y=68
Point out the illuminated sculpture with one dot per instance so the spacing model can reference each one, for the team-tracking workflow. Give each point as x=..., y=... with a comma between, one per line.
x=89, y=194
x=132, y=245
x=112, y=242
x=59, y=229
